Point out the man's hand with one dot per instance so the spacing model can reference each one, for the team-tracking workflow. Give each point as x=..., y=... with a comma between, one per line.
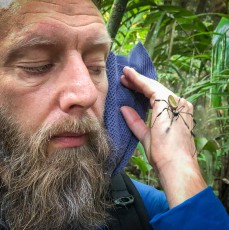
x=170, y=148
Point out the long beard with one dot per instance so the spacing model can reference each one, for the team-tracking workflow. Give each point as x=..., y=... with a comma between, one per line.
x=65, y=190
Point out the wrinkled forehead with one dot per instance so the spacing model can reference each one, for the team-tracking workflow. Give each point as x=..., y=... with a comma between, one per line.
x=5, y=4
x=19, y=14
x=67, y=6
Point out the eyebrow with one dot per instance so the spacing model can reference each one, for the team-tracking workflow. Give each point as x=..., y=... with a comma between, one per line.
x=31, y=41
x=103, y=40
x=39, y=40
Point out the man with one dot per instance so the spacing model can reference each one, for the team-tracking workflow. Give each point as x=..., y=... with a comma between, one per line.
x=54, y=148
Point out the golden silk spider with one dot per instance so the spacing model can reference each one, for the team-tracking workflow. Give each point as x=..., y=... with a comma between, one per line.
x=176, y=111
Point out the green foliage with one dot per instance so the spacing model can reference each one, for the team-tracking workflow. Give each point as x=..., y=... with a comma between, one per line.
x=190, y=64
x=209, y=158
x=144, y=170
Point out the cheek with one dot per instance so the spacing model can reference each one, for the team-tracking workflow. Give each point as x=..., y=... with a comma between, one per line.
x=102, y=98
x=22, y=105
x=32, y=106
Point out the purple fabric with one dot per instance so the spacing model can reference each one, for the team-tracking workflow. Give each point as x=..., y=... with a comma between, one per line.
x=122, y=139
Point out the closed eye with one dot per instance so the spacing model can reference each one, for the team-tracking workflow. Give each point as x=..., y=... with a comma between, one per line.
x=96, y=70
x=37, y=70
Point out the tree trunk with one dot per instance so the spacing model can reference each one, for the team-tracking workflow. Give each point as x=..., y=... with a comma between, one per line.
x=97, y=2
x=168, y=2
x=118, y=10
x=183, y=3
x=218, y=6
x=201, y=6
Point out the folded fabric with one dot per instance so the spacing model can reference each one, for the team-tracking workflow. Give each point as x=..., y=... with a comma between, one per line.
x=123, y=141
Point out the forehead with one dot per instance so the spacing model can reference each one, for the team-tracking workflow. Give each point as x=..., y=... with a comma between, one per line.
x=8, y=3
x=24, y=16
x=18, y=9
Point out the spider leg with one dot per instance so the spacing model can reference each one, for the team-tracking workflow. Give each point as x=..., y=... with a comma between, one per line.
x=194, y=121
x=168, y=112
x=188, y=126
x=158, y=100
x=179, y=103
x=159, y=114
x=179, y=100
x=181, y=108
x=187, y=113
x=184, y=121
x=195, y=153
x=167, y=130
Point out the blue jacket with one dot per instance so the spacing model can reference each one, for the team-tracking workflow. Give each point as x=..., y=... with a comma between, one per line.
x=203, y=211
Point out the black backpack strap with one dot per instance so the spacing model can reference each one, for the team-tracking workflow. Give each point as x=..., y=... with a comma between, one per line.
x=129, y=212
x=3, y=226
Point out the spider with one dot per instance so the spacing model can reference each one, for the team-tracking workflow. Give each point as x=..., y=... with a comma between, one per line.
x=176, y=111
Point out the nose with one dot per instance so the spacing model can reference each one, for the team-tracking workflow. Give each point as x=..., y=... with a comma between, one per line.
x=76, y=90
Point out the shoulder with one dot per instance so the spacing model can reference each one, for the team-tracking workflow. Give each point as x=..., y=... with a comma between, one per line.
x=154, y=200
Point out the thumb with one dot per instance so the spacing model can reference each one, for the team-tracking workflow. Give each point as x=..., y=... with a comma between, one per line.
x=135, y=123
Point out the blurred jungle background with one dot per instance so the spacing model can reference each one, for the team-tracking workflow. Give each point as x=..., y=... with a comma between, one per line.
x=188, y=42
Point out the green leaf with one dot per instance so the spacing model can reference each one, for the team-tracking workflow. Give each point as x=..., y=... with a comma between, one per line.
x=200, y=143
x=140, y=163
x=212, y=146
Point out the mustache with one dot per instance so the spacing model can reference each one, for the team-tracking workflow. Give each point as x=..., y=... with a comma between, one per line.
x=71, y=125
x=11, y=133
x=84, y=125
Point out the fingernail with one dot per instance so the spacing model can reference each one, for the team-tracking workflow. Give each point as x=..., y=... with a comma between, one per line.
x=127, y=67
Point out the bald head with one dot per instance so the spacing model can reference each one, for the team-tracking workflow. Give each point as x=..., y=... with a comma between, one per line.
x=4, y=4
x=8, y=11
x=18, y=15
x=9, y=8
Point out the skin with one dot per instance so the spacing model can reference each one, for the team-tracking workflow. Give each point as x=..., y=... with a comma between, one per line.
x=73, y=42
x=49, y=71
x=170, y=153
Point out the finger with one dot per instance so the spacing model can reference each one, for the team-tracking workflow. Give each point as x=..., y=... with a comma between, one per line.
x=135, y=123
x=150, y=88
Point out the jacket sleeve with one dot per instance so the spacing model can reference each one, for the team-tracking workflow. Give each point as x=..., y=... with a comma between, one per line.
x=202, y=211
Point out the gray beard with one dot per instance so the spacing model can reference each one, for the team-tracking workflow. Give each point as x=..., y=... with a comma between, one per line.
x=64, y=191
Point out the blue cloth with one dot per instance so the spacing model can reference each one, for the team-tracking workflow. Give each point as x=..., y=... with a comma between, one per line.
x=122, y=139
x=200, y=212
